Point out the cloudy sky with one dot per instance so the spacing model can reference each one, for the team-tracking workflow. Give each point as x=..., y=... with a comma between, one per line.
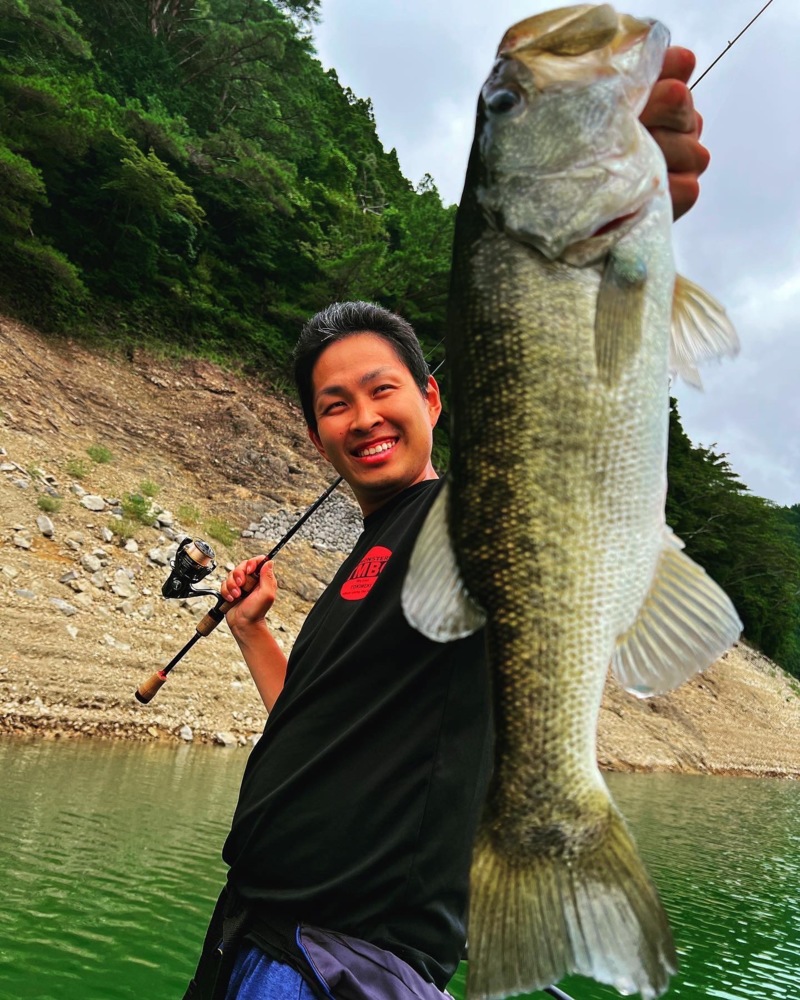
x=422, y=62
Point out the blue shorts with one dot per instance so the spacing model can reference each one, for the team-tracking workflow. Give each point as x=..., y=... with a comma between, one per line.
x=256, y=976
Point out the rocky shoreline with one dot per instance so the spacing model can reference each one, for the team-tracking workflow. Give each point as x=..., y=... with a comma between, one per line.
x=209, y=453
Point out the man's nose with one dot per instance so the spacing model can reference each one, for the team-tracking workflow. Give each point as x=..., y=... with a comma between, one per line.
x=365, y=415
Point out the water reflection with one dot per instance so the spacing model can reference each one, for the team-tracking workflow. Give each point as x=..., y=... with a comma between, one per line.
x=109, y=864
x=109, y=861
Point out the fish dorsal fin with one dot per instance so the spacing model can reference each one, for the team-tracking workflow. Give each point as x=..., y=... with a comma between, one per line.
x=701, y=331
x=619, y=314
x=686, y=622
x=435, y=600
x=583, y=29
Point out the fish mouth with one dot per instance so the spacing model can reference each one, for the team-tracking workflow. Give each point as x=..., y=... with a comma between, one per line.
x=609, y=227
x=375, y=449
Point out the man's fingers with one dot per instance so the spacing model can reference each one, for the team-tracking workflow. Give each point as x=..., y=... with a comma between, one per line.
x=684, y=190
x=670, y=106
x=678, y=64
x=682, y=153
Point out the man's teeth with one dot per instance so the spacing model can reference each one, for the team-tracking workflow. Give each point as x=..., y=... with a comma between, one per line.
x=377, y=449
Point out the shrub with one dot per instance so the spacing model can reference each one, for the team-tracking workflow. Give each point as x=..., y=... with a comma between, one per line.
x=124, y=528
x=135, y=507
x=77, y=468
x=50, y=505
x=99, y=453
x=188, y=514
x=220, y=531
x=148, y=488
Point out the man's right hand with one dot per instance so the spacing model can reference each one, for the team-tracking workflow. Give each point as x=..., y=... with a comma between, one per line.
x=255, y=605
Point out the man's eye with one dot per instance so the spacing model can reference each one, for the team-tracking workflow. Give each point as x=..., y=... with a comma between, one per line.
x=383, y=388
x=332, y=406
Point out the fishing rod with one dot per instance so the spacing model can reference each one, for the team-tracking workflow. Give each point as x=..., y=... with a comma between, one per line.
x=730, y=45
x=194, y=560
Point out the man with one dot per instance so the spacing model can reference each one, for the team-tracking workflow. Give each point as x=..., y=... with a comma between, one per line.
x=350, y=845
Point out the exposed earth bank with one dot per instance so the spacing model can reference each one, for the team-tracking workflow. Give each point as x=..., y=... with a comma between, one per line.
x=216, y=454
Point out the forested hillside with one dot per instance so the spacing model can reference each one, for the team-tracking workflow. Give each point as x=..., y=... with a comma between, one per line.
x=186, y=173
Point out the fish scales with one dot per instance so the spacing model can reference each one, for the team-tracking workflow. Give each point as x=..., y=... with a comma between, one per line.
x=543, y=567
x=550, y=533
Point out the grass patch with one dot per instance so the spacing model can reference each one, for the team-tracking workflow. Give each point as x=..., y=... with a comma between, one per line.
x=124, y=528
x=50, y=505
x=99, y=453
x=148, y=488
x=285, y=386
x=135, y=507
x=188, y=514
x=220, y=531
x=77, y=468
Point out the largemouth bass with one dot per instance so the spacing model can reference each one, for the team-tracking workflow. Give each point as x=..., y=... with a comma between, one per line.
x=564, y=321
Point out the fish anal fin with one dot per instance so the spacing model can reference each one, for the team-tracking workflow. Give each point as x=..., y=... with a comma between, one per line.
x=686, y=623
x=619, y=315
x=596, y=913
x=435, y=599
x=701, y=331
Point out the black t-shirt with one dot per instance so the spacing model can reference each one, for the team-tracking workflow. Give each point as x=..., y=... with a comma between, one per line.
x=359, y=805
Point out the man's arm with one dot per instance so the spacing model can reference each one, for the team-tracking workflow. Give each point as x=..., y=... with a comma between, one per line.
x=671, y=119
x=265, y=659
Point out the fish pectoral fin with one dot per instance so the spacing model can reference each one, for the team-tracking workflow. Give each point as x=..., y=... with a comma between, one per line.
x=435, y=599
x=619, y=314
x=535, y=919
x=686, y=622
x=701, y=331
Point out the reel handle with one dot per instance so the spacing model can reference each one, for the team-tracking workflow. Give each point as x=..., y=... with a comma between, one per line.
x=209, y=622
x=147, y=691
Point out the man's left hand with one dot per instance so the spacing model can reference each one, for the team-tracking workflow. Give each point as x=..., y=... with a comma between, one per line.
x=671, y=119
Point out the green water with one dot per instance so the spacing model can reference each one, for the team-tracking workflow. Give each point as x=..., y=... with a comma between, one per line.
x=109, y=865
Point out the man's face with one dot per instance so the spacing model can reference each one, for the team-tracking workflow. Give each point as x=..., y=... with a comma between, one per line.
x=373, y=424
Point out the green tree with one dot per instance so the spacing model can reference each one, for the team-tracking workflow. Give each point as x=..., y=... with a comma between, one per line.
x=749, y=545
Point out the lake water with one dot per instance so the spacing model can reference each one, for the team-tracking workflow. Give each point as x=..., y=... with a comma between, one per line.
x=109, y=865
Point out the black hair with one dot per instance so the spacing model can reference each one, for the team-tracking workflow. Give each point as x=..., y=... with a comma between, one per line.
x=341, y=320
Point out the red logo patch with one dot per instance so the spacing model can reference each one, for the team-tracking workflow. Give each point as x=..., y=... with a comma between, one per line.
x=363, y=578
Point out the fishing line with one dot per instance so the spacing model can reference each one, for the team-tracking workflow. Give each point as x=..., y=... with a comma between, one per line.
x=730, y=45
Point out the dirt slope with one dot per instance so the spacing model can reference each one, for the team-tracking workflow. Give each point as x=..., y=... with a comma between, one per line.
x=83, y=618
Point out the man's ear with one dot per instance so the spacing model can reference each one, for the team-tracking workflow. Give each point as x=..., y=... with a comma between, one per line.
x=434, y=398
x=315, y=440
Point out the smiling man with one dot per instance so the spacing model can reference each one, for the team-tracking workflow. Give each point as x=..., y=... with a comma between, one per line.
x=370, y=415
x=350, y=845
x=359, y=805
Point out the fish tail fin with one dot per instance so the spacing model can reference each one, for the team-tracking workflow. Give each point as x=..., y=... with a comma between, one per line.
x=595, y=913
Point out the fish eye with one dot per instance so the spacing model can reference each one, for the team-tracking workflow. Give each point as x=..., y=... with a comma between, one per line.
x=503, y=101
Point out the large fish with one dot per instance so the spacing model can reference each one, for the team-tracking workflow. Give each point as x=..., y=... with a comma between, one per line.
x=565, y=320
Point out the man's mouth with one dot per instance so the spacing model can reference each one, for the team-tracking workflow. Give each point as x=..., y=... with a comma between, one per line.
x=375, y=449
